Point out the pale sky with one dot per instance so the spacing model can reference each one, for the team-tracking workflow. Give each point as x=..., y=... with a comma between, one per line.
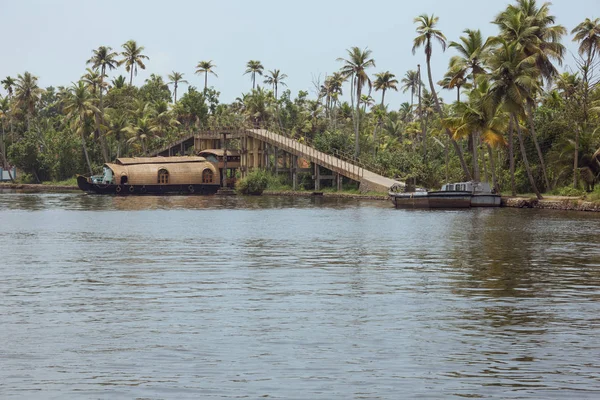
x=52, y=39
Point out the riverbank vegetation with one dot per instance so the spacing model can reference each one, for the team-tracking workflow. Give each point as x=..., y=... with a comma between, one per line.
x=507, y=110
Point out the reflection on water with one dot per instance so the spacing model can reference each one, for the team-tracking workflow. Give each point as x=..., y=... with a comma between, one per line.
x=210, y=297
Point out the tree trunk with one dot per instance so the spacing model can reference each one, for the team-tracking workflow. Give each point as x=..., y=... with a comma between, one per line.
x=537, y=145
x=205, y=80
x=175, y=92
x=476, y=174
x=511, y=158
x=357, y=122
x=447, y=155
x=438, y=108
x=85, y=152
x=3, y=153
x=131, y=77
x=525, y=161
x=576, y=158
x=493, y=168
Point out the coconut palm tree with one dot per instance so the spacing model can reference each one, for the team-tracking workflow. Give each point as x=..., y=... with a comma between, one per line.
x=455, y=78
x=473, y=52
x=410, y=82
x=587, y=34
x=533, y=28
x=275, y=78
x=116, y=128
x=133, y=58
x=513, y=79
x=27, y=94
x=119, y=82
x=175, y=79
x=480, y=117
x=80, y=108
x=142, y=130
x=254, y=67
x=92, y=79
x=206, y=67
x=8, y=83
x=427, y=32
x=385, y=81
x=103, y=58
x=355, y=67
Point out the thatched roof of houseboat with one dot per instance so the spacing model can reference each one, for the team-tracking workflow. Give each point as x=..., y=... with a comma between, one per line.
x=180, y=173
x=158, y=160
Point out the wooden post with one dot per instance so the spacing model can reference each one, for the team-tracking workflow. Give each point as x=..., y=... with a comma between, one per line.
x=317, y=177
x=224, y=183
x=339, y=181
x=295, y=173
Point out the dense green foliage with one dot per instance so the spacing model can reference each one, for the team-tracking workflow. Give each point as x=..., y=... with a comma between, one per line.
x=515, y=119
x=254, y=183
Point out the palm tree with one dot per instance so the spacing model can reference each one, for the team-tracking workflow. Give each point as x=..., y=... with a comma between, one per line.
x=532, y=28
x=355, y=67
x=480, y=117
x=410, y=82
x=473, y=51
x=8, y=83
x=133, y=58
x=254, y=67
x=119, y=82
x=455, y=78
x=176, y=78
x=117, y=124
x=142, y=130
x=275, y=78
x=103, y=58
x=513, y=79
x=92, y=79
x=427, y=33
x=587, y=34
x=79, y=108
x=206, y=67
x=385, y=80
x=27, y=94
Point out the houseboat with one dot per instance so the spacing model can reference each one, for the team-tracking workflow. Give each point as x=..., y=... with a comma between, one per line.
x=154, y=175
x=225, y=160
x=452, y=195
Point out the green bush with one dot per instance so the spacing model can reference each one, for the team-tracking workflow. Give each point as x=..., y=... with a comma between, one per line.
x=254, y=183
x=570, y=191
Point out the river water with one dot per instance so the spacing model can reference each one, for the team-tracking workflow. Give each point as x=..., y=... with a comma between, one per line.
x=294, y=298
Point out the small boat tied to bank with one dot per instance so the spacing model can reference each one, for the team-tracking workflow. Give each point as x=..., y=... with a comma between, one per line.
x=154, y=175
x=452, y=195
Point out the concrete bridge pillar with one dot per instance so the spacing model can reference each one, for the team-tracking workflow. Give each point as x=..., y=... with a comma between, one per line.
x=294, y=172
x=317, y=177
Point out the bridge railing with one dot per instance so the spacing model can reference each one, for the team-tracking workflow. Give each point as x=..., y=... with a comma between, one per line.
x=337, y=162
x=345, y=156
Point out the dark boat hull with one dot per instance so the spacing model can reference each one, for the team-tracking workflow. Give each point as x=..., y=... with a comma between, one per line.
x=85, y=185
x=431, y=200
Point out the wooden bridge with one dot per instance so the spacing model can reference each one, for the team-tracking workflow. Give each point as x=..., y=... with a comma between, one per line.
x=261, y=148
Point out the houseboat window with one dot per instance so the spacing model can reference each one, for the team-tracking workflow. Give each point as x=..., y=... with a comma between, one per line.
x=123, y=179
x=450, y=188
x=207, y=176
x=163, y=176
x=460, y=188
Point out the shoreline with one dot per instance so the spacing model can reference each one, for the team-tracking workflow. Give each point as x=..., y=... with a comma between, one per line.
x=549, y=203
